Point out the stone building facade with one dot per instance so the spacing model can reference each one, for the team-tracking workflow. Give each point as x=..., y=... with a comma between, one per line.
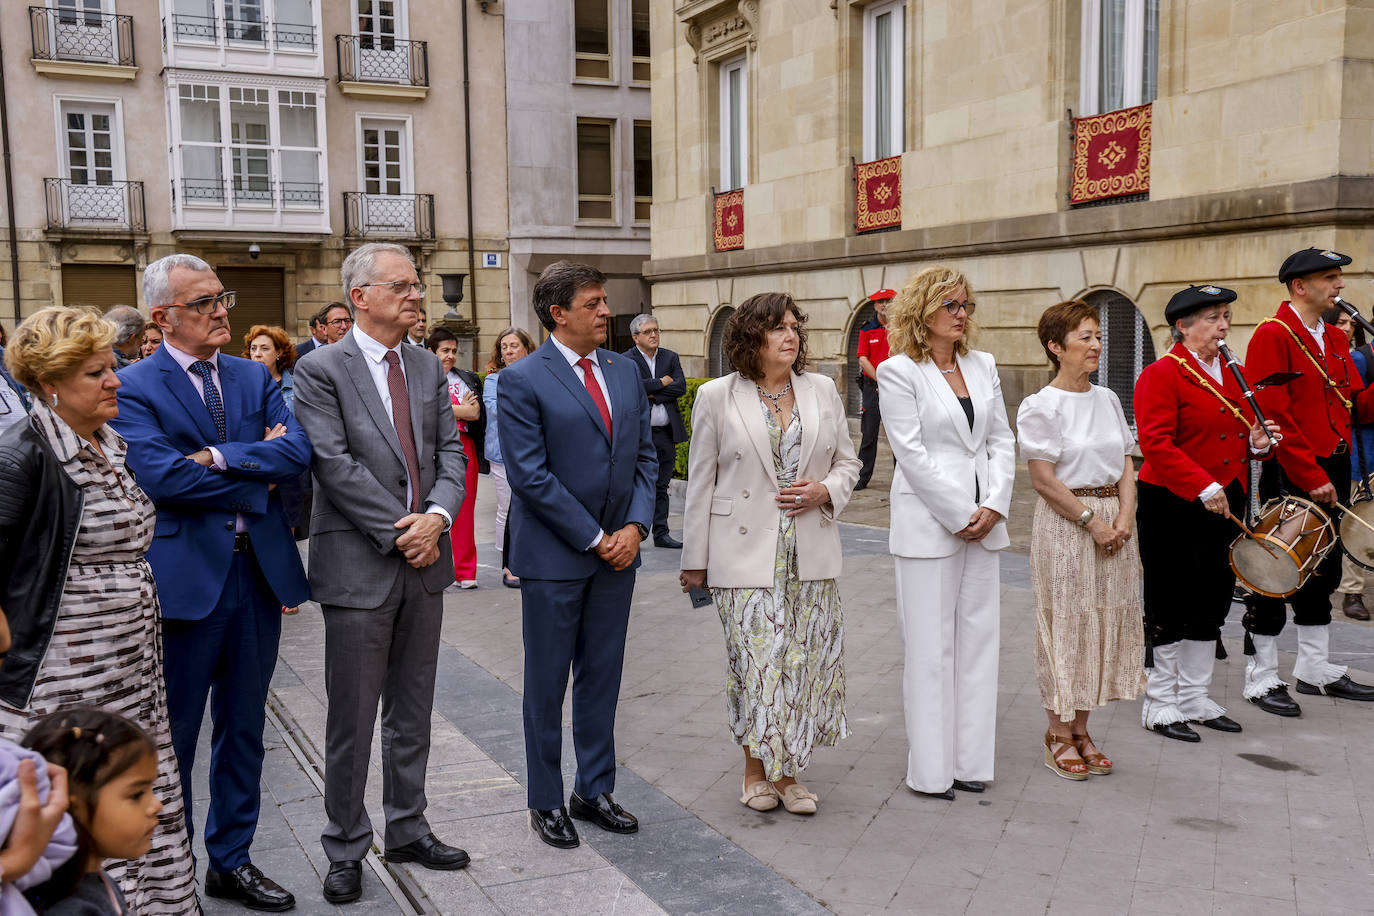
x=1260, y=140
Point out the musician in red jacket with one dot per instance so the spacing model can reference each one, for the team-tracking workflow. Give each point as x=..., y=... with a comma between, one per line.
x=1315, y=413
x=1195, y=430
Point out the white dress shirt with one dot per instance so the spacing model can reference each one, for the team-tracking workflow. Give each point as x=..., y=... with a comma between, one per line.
x=572, y=359
x=186, y=361
x=374, y=353
x=1318, y=333
x=658, y=413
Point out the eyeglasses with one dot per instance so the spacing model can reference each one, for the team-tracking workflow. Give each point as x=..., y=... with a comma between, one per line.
x=399, y=287
x=206, y=305
x=339, y=322
x=953, y=307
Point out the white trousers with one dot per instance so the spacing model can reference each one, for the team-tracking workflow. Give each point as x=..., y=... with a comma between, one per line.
x=1262, y=668
x=950, y=613
x=498, y=477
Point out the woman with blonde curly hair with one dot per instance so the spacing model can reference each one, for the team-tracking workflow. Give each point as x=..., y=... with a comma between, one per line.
x=74, y=584
x=947, y=424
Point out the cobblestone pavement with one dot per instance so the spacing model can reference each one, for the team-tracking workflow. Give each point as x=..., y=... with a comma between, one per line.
x=1269, y=821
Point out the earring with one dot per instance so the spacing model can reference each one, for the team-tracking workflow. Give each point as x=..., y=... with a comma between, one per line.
x=53, y=399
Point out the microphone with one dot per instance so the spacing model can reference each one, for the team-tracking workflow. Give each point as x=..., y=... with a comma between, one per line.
x=1234, y=365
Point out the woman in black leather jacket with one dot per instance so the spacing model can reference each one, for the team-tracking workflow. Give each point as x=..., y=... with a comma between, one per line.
x=74, y=584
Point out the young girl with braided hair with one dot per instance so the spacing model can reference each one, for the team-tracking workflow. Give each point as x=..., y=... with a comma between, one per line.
x=111, y=764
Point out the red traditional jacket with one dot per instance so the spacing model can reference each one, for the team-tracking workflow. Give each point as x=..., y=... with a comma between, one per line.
x=1314, y=409
x=1189, y=436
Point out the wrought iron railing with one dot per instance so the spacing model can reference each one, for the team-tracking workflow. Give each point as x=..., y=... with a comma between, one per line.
x=252, y=193
x=117, y=204
x=293, y=36
x=382, y=59
x=79, y=35
x=194, y=28
x=408, y=216
x=200, y=190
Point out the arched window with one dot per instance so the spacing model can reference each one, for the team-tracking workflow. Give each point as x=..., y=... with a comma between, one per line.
x=717, y=363
x=1126, y=347
x=852, y=396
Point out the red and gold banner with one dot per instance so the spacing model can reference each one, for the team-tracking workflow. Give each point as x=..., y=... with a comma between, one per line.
x=878, y=194
x=730, y=220
x=1111, y=155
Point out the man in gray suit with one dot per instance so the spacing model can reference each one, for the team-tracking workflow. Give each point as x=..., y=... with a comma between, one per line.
x=388, y=469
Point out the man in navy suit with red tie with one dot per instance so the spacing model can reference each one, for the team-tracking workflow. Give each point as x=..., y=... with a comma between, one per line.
x=581, y=463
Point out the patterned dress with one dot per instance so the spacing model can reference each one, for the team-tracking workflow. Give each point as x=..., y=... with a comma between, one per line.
x=106, y=649
x=785, y=692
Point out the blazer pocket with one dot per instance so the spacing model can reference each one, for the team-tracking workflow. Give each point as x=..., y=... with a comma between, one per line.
x=165, y=527
x=722, y=505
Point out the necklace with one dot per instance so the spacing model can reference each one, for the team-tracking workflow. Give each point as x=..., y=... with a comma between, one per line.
x=950, y=371
x=774, y=399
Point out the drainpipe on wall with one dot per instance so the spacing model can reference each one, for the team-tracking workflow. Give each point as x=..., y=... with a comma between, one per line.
x=9, y=188
x=467, y=162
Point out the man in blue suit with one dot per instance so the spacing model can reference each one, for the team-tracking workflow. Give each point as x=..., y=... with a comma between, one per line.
x=209, y=439
x=581, y=464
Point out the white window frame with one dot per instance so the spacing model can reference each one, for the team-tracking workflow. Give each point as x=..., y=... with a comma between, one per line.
x=401, y=18
x=896, y=76
x=364, y=119
x=1133, y=57
x=728, y=181
x=61, y=103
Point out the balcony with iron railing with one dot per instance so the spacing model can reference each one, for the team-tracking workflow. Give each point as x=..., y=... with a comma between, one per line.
x=290, y=36
x=379, y=66
x=258, y=42
x=388, y=216
x=253, y=192
x=109, y=207
x=81, y=43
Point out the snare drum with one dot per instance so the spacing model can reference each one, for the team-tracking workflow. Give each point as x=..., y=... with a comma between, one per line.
x=1291, y=537
x=1357, y=540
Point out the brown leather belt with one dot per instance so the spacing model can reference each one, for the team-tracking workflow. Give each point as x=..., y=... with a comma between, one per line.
x=1106, y=492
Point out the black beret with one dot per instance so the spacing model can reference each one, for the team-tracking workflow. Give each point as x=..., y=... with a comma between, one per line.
x=1186, y=301
x=1309, y=261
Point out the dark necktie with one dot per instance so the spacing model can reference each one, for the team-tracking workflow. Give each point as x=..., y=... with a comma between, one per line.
x=400, y=416
x=211, y=395
x=589, y=379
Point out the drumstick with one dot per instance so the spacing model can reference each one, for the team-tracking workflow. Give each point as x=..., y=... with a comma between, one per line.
x=1351, y=512
x=1250, y=534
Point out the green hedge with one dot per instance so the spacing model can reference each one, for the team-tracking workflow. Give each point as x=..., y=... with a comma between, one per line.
x=684, y=404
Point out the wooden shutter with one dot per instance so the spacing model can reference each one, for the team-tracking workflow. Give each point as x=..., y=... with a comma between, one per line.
x=100, y=285
x=261, y=300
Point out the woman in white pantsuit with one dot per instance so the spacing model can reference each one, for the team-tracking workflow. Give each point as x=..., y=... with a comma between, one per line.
x=947, y=424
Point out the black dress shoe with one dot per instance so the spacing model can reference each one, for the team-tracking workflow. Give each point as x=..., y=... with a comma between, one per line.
x=1179, y=731
x=250, y=887
x=970, y=785
x=554, y=827
x=1342, y=688
x=344, y=883
x=1221, y=724
x=1278, y=702
x=861, y=485
x=430, y=853
x=603, y=812
x=947, y=795
x=668, y=541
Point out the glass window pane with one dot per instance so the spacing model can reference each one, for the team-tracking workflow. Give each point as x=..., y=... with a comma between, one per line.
x=735, y=95
x=640, y=71
x=639, y=28
x=295, y=12
x=591, y=26
x=882, y=86
x=200, y=162
x=644, y=160
x=593, y=158
x=1150, y=58
x=297, y=126
x=593, y=69
x=1111, y=63
x=200, y=120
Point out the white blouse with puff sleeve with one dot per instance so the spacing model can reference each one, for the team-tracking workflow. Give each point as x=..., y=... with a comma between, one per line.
x=1084, y=434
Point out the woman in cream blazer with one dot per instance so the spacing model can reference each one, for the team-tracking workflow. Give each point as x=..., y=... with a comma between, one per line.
x=947, y=425
x=770, y=466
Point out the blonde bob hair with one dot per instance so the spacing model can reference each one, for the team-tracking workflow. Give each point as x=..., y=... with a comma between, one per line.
x=910, y=315
x=53, y=342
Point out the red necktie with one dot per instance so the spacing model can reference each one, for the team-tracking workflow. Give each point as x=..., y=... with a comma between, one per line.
x=400, y=416
x=589, y=379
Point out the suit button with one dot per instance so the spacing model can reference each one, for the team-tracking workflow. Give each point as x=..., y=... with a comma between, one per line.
x=228, y=526
x=743, y=530
x=1223, y=436
x=401, y=482
x=745, y=494
x=738, y=456
x=1226, y=461
x=1221, y=410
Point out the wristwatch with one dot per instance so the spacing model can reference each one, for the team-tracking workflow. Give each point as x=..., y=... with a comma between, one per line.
x=1086, y=517
x=643, y=532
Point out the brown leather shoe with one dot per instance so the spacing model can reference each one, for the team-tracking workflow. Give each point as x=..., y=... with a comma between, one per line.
x=1353, y=606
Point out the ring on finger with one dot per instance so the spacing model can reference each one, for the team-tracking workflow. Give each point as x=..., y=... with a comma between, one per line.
x=797, y=499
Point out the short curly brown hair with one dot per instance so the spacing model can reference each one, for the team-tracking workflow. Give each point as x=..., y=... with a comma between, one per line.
x=286, y=350
x=1062, y=319
x=747, y=329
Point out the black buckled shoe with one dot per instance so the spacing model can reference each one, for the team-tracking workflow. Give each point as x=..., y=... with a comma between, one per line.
x=1179, y=731
x=1342, y=688
x=344, y=883
x=430, y=853
x=1278, y=702
x=554, y=827
x=250, y=887
x=969, y=785
x=1221, y=724
x=603, y=812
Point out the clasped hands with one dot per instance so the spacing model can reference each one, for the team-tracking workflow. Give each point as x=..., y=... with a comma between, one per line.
x=812, y=494
x=419, y=540
x=619, y=549
x=1111, y=538
x=979, y=524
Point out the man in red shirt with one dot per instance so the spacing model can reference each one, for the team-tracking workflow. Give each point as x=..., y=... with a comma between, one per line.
x=872, y=351
x=1315, y=411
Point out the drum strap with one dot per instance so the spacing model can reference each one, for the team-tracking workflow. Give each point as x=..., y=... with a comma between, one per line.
x=1316, y=362
x=1227, y=402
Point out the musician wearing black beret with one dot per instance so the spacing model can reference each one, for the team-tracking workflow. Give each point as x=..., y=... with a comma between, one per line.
x=1315, y=410
x=1196, y=432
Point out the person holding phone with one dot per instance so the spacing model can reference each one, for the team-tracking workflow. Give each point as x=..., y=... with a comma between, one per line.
x=770, y=467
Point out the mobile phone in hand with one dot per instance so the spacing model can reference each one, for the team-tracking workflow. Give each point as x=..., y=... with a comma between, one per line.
x=700, y=596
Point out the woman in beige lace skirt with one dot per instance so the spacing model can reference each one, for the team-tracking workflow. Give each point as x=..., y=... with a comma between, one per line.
x=1085, y=567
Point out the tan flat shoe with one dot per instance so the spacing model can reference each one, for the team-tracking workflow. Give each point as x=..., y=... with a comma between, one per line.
x=761, y=796
x=798, y=799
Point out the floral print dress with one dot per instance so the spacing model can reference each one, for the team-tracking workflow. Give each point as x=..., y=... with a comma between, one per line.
x=785, y=691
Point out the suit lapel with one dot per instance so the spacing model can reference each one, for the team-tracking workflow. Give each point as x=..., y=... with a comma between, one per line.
x=355, y=365
x=184, y=393
x=808, y=405
x=571, y=379
x=945, y=395
x=751, y=415
x=415, y=381
x=979, y=392
x=638, y=357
